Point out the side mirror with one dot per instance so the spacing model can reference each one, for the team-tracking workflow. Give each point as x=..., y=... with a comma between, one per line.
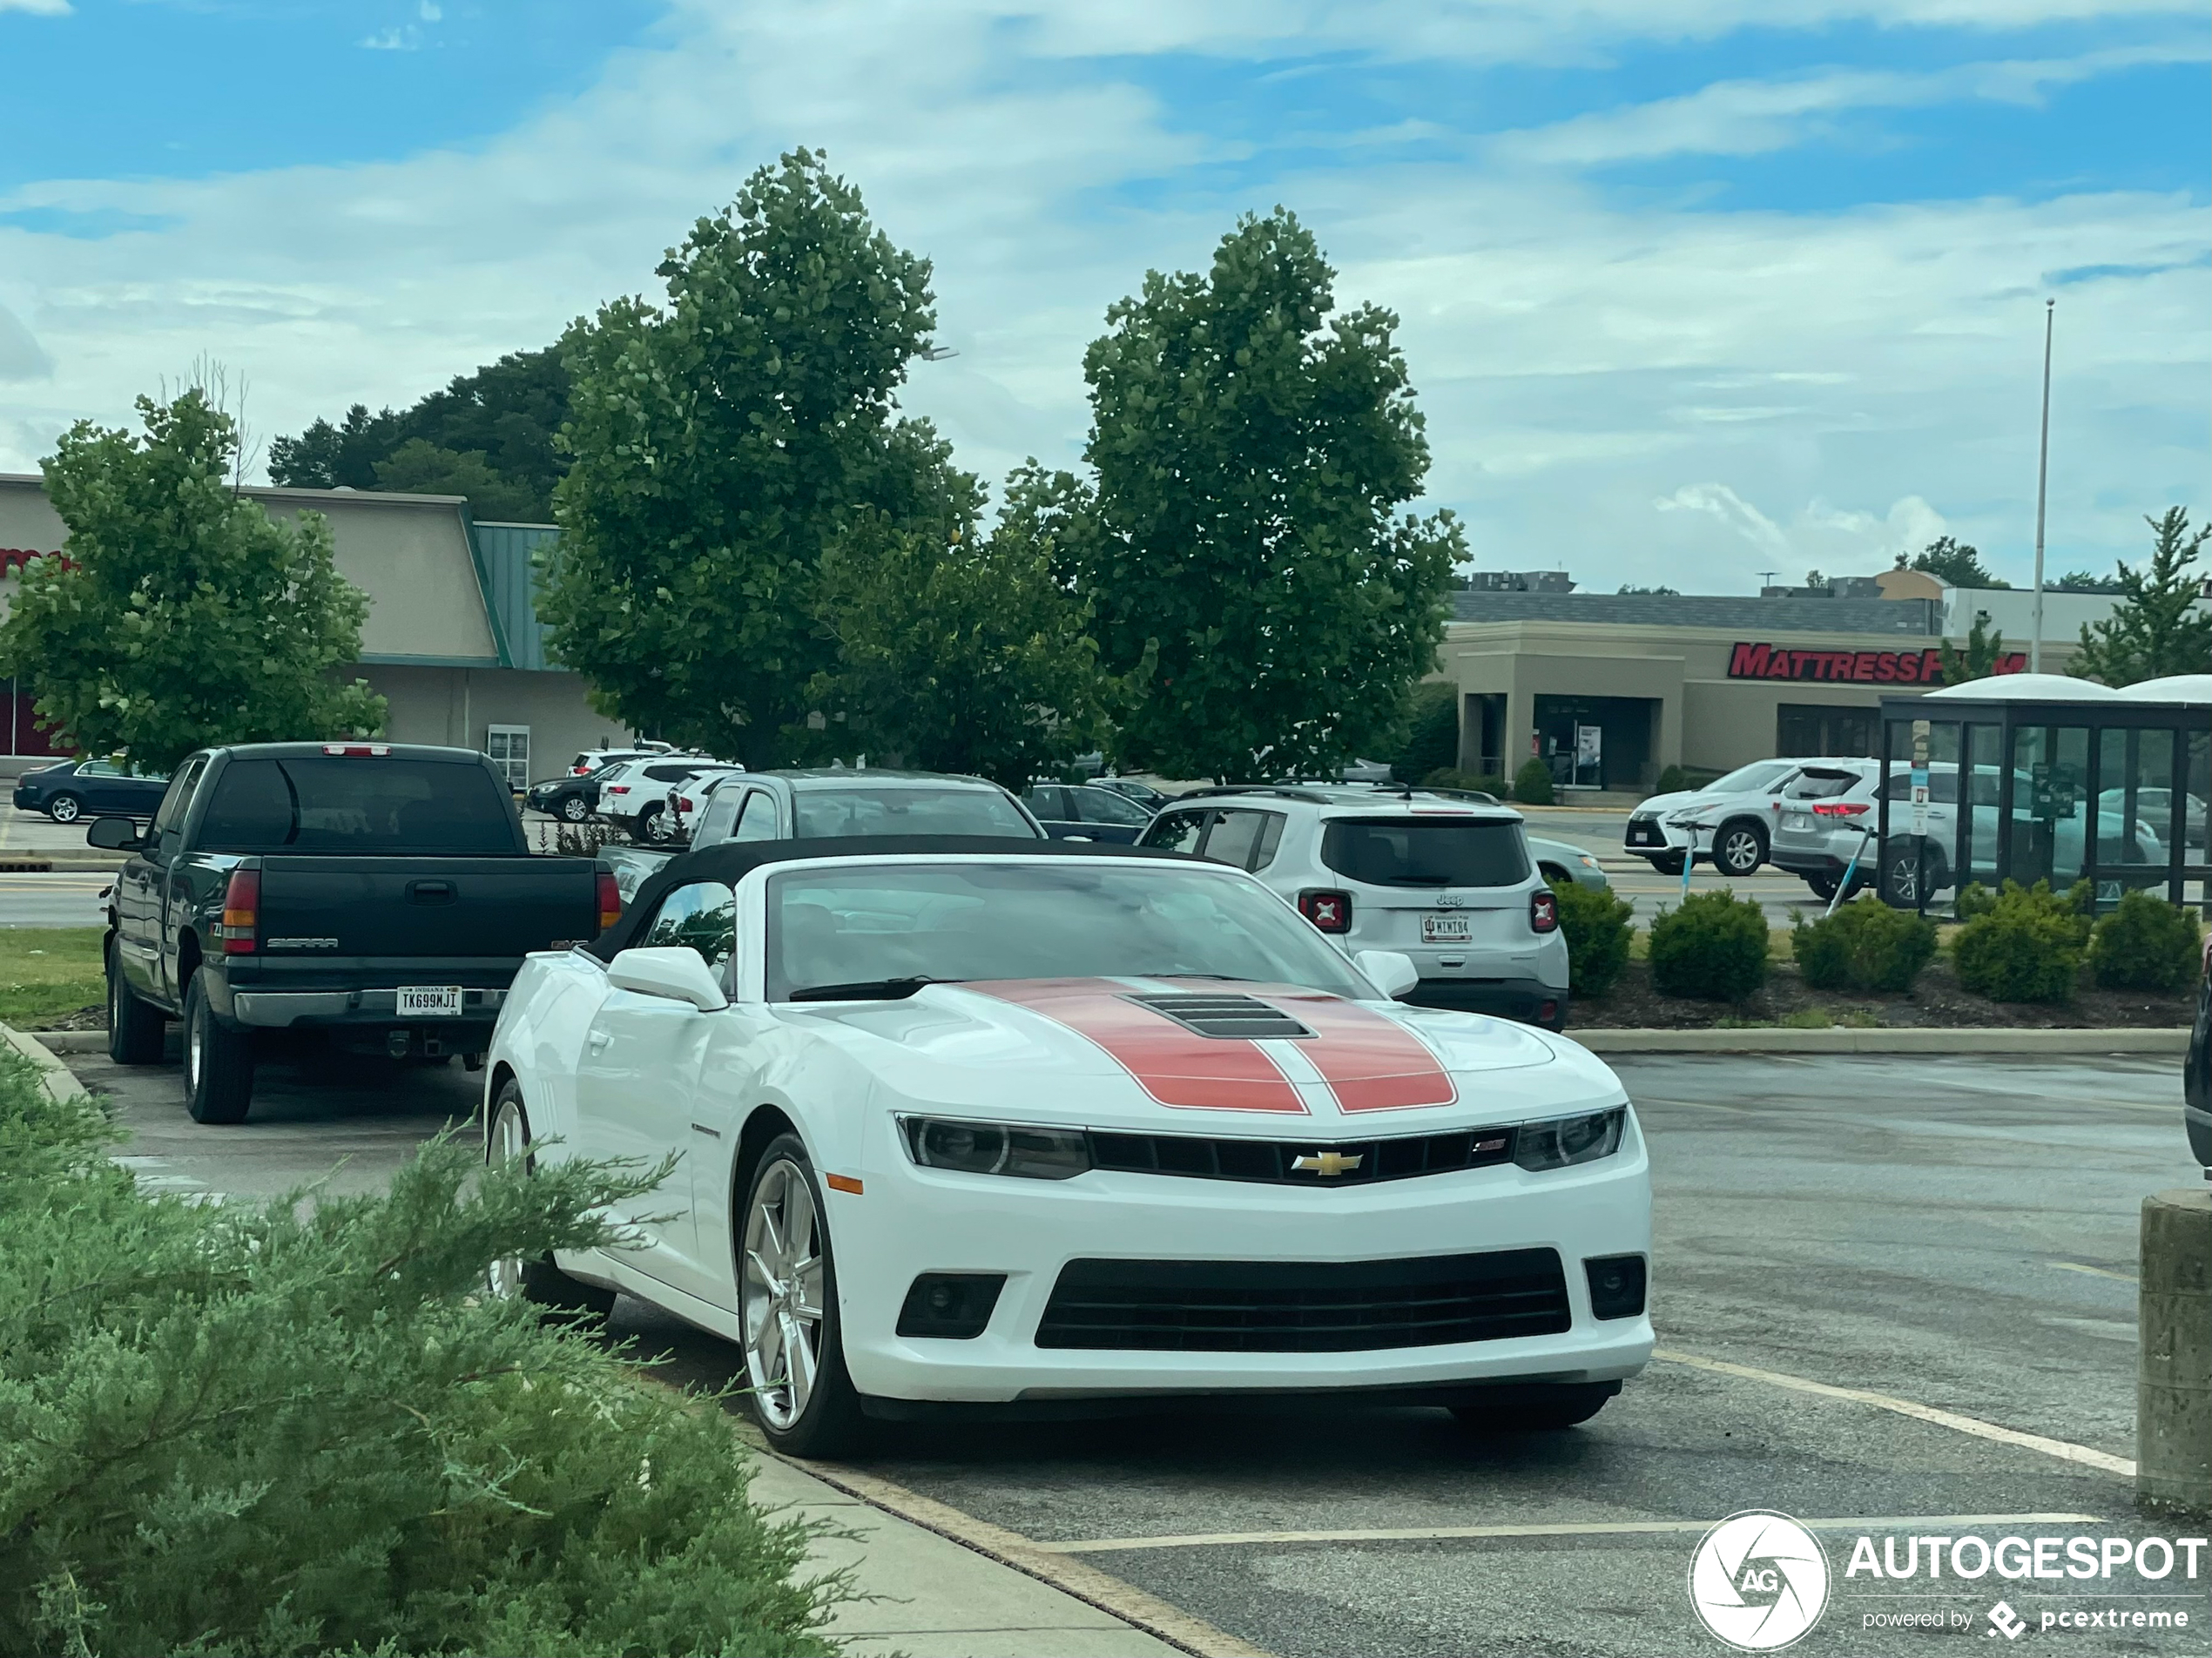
x=674, y=972
x=1392, y=972
x=117, y=834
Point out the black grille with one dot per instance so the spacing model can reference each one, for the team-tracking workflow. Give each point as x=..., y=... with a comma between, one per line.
x=1306, y=1307
x=1278, y=1159
x=1224, y=1016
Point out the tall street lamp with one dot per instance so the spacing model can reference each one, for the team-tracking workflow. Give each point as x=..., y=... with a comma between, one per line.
x=2042, y=477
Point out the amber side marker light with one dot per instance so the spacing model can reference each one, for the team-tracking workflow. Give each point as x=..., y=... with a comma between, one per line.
x=843, y=1182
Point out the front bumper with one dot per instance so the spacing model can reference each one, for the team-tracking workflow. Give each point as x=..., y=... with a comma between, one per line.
x=912, y=1220
x=1653, y=837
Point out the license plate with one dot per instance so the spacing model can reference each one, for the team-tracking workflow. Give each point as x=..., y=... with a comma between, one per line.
x=1444, y=929
x=1643, y=835
x=1797, y=820
x=429, y=1001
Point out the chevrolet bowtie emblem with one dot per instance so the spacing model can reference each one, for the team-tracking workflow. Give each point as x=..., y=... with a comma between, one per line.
x=1327, y=1163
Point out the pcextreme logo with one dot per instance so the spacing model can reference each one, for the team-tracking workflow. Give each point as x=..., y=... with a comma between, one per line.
x=1759, y=1580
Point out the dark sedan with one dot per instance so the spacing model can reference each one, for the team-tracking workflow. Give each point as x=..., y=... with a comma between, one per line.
x=76, y=789
x=1084, y=812
x=571, y=798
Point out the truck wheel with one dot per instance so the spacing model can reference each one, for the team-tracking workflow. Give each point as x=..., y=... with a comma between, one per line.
x=1740, y=849
x=1563, y=1404
x=219, y=1061
x=133, y=1026
x=573, y=809
x=507, y=1139
x=64, y=808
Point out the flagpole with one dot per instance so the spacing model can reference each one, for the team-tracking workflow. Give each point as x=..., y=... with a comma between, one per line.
x=2042, y=478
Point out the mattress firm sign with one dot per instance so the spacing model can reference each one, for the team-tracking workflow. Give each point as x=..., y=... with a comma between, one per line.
x=1852, y=667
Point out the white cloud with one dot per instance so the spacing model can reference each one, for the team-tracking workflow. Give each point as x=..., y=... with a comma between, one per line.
x=37, y=8
x=431, y=13
x=1578, y=359
x=406, y=38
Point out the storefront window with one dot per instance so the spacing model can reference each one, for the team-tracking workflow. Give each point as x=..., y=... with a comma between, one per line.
x=1984, y=757
x=2050, y=816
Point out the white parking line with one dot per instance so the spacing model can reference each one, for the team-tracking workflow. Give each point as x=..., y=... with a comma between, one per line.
x=2064, y=1450
x=1590, y=1528
x=2093, y=1271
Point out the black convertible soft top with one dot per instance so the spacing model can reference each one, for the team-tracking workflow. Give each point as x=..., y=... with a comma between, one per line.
x=729, y=861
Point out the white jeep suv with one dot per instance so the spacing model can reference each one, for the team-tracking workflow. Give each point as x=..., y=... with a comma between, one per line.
x=1445, y=877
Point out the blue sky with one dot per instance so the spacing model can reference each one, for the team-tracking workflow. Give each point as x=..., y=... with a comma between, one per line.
x=1691, y=288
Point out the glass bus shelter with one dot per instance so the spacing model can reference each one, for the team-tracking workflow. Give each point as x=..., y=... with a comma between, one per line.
x=2039, y=777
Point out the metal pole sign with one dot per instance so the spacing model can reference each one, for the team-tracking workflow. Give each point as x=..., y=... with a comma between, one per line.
x=1920, y=816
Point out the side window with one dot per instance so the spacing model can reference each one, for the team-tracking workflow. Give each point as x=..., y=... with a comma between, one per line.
x=1049, y=801
x=97, y=768
x=1103, y=806
x=1235, y=837
x=720, y=817
x=1178, y=831
x=169, y=816
x=702, y=917
x=758, y=820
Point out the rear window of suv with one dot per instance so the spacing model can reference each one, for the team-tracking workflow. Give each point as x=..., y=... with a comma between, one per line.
x=357, y=805
x=1425, y=852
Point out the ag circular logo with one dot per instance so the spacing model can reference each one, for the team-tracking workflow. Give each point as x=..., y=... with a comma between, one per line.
x=1758, y=1580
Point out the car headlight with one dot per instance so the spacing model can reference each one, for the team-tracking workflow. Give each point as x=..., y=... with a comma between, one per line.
x=1588, y=861
x=1017, y=1149
x=1563, y=1141
x=1685, y=820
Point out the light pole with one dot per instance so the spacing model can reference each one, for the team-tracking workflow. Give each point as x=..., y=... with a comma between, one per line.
x=2042, y=477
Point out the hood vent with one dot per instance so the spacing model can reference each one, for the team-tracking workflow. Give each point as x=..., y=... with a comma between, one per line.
x=1229, y=1017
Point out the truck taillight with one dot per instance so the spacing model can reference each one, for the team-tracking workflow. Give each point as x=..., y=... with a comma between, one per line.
x=1329, y=912
x=1543, y=912
x=610, y=902
x=241, y=911
x=358, y=751
x=1840, y=808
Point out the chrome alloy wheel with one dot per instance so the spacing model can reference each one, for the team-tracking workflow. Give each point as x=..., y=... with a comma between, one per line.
x=508, y=1144
x=781, y=1294
x=1739, y=853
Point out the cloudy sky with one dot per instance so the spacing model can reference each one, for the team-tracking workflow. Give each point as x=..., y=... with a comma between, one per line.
x=1691, y=289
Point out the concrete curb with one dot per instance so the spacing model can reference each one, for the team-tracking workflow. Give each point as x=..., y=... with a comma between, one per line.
x=68, y=1041
x=60, y=1083
x=1922, y=1039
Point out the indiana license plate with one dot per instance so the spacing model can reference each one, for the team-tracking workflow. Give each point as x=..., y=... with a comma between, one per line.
x=1444, y=929
x=429, y=1001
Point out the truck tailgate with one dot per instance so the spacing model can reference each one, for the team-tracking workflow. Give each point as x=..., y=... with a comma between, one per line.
x=315, y=909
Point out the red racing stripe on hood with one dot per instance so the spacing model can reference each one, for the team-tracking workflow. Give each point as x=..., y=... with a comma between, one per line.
x=1370, y=1062
x=1175, y=1066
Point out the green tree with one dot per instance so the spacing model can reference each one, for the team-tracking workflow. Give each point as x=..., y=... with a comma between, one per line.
x=968, y=656
x=1952, y=561
x=181, y=614
x=2083, y=581
x=1251, y=450
x=1983, y=651
x=721, y=443
x=2160, y=626
x=507, y=414
x=1651, y=592
x=420, y=467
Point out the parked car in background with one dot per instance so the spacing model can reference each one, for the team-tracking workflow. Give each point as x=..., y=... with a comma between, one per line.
x=2196, y=1073
x=1144, y=793
x=594, y=759
x=633, y=793
x=1731, y=820
x=379, y=895
x=75, y=789
x=653, y=797
x=1447, y=879
x=815, y=804
x=1562, y=860
x=1085, y=811
x=571, y=798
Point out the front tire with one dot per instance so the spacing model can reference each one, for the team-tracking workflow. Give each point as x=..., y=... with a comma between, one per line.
x=794, y=1352
x=1823, y=887
x=1740, y=849
x=1538, y=1410
x=574, y=809
x=656, y=825
x=134, y=1028
x=1669, y=863
x=64, y=808
x=507, y=1139
x=219, y=1061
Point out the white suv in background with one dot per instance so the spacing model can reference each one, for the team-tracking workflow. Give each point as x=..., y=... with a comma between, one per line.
x=1446, y=879
x=1732, y=820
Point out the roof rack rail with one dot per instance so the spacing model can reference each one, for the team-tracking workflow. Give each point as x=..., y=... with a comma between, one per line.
x=1281, y=792
x=1480, y=797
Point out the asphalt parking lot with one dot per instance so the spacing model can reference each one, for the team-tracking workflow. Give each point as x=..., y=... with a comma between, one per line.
x=1940, y=1234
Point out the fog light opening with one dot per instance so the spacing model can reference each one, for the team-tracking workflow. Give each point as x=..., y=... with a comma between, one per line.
x=950, y=1306
x=1616, y=1285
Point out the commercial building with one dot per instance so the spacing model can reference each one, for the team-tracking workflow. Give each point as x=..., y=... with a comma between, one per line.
x=1611, y=689
x=452, y=639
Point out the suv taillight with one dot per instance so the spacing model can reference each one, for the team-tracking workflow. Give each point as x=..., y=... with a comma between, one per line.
x=1543, y=912
x=684, y=803
x=241, y=911
x=610, y=902
x=1329, y=912
x=1840, y=808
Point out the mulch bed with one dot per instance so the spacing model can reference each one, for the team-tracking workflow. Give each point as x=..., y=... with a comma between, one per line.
x=91, y=1018
x=1936, y=1000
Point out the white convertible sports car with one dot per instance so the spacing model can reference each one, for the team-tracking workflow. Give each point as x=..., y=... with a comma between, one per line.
x=963, y=1124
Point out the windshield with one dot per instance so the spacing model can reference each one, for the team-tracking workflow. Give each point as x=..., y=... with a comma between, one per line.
x=893, y=810
x=1426, y=851
x=870, y=927
x=329, y=804
x=1749, y=779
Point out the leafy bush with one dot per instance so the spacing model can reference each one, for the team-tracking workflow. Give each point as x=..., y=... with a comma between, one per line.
x=298, y=1429
x=1675, y=779
x=1713, y=947
x=2145, y=944
x=1533, y=783
x=1974, y=900
x=1448, y=777
x=1598, y=927
x=1864, y=946
x=1432, y=736
x=2027, y=946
